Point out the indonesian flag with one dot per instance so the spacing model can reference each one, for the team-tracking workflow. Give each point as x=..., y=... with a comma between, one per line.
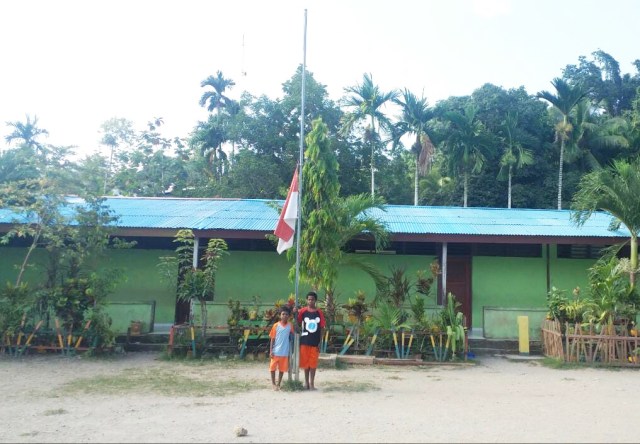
x=286, y=227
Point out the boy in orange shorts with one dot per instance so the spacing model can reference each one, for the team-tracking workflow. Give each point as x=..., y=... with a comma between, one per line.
x=311, y=320
x=280, y=335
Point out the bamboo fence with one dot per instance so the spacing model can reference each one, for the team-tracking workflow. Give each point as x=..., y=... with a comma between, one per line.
x=583, y=343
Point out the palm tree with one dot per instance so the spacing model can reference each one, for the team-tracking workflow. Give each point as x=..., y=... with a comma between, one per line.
x=366, y=100
x=614, y=189
x=467, y=145
x=515, y=155
x=214, y=100
x=416, y=115
x=27, y=132
x=211, y=135
x=564, y=101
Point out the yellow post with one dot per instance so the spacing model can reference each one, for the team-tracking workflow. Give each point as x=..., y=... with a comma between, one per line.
x=523, y=334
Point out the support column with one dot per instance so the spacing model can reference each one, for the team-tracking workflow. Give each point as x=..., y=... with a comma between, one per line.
x=443, y=296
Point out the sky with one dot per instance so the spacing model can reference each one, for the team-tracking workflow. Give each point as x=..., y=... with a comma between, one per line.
x=77, y=63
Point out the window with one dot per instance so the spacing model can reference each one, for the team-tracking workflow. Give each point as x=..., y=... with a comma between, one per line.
x=508, y=250
x=575, y=251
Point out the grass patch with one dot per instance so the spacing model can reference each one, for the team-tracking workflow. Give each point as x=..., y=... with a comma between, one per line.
x=53, y=412
x=292, y=386
x=559, y=364
x=349, y=386
x=168, y=382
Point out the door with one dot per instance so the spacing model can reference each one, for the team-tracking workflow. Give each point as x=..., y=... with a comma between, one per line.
x=458, y=283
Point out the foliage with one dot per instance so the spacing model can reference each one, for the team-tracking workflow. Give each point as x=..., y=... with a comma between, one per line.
x=611, y=297
x=330, y=221
x=614, y=189
x=564, y=102
x=453, y=322
x=15, y=302
x=236, y=312
x=388, y=317
x=357, y=306
x=194, y=283
x=366, y=101
x=396, y=288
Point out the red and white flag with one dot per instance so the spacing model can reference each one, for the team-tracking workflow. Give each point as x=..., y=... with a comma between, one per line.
x=286, y=227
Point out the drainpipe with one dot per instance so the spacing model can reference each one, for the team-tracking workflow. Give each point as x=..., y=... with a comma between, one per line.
x=443, y=296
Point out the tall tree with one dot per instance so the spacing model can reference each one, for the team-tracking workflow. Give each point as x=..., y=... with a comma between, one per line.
x=329, y=221
x=215, y=100
x=116, y=133
x=467, y=145
x=210, y=136
x=27, y=133
x=515, y=155
x=366, y=101
x=414, y=122
x=614, y=189
x=608, y=88
x=564, y=101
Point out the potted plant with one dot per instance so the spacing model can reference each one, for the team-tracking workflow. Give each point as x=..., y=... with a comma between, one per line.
x=255, y=308
x=356, y=307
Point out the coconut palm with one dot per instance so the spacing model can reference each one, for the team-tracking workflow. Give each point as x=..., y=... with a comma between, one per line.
x=466, y=145
x=564, y=101
x=367, y=100
x=414, y=121
x=515, y=155
x=614, y=189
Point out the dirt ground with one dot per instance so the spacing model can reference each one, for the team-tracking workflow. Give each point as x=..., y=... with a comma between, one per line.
x=140, y=398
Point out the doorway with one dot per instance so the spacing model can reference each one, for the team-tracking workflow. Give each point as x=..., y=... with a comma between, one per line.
x=458, y=283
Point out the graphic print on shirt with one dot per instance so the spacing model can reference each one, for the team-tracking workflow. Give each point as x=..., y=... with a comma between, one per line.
x=310, y=325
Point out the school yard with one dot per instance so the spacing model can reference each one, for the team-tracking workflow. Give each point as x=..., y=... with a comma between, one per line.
x=140, y=397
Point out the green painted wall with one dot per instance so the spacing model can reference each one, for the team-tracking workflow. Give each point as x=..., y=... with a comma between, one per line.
x=496, y=282
x=566, y=274
x=11, y=259
x=244, y=274
x=502, y=323
x=142, y=281
x=507, y=282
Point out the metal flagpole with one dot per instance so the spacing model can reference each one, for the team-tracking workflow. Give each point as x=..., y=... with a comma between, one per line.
x=296, y=363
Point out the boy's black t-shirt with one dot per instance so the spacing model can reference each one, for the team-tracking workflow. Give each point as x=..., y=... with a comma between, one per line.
x=311, y=323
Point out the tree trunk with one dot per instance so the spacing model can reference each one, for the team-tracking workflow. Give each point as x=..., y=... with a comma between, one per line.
x=633, y=258
x=415, y=186
x=560, y=170
x=509, y=192
x=32, y=247
x=373, y=140
x=465, y=185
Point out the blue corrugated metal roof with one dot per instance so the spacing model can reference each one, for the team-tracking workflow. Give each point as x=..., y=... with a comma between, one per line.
x=259, y=215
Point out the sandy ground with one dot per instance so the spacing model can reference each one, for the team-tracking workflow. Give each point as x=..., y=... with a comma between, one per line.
x=62, y=399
